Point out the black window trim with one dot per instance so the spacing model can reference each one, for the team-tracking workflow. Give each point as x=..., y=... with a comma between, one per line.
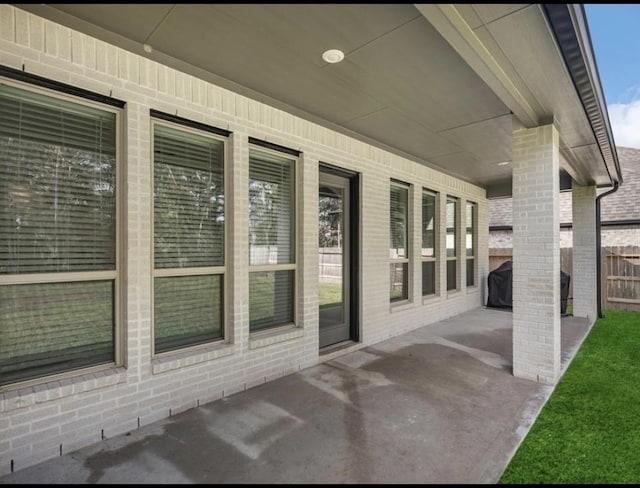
x=156, y=114
x=58, y=86
x=274, y=147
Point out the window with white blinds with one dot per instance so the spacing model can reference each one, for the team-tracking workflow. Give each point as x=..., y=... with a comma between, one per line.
x=58, y=184
x=471, y=240
x=189, y=233
x=58, y=251
x=452, y=243
x=429, y=254
x=272, y=238
x=399, y=241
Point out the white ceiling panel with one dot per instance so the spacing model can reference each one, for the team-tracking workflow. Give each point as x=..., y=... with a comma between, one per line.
x=489, y=12
x=415, y=71
x=396, y=130
x=484, y=173
x=310, y=29
x=542, y=69
x=401, y=83
x=489, y=140
x=216, y=41
x=134, y=21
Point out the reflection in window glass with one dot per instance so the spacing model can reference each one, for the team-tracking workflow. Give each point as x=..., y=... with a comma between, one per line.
x=471, y=242
x=271, y=208
x=399, y=241
x=271, y=239
x=58, y=162
x=188, y=225
x=452, y=243
x=399, y=222
x=429, y=240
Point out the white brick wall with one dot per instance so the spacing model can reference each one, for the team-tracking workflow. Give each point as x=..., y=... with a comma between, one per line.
x=623, y=235
x=584, y=252
x=536, y=254
x=77, y=410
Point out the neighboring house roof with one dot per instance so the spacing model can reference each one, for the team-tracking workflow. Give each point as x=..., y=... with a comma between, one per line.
x=623, y=205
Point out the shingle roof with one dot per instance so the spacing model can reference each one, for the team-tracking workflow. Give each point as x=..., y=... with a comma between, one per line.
x=624, y=204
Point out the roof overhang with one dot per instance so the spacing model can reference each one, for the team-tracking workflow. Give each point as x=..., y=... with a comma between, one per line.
x=569, y=26
x=539, y=60
x=466, y=77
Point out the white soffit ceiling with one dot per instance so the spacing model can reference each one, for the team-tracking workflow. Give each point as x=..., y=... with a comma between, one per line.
x=401, y=85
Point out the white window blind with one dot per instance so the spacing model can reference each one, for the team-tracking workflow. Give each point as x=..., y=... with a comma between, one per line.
x=189, y=199
x=399, y=217
x=399, y=239
x=57, y=184
x=271, y=208
x=189, y=213
x=57, y=234
x=471, y=243
x=452, y=243
x=429, y=256
x=271, y=239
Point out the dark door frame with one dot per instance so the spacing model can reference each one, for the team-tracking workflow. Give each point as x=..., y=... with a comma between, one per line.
x=354, y=244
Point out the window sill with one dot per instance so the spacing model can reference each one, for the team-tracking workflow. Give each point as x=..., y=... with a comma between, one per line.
x=71, y=383
x=453, y=293
x=181, y=358
x=429, y=299
x=402, y=305
x=276, y=335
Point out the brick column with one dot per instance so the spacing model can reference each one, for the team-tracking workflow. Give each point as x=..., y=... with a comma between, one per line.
x=536, y=254
x=483, y=248
x=584, y=272
x=307, y=257
x=461, y=246
x=137, y=263
x=238, y=252
x=441, y=248
x=416, y=243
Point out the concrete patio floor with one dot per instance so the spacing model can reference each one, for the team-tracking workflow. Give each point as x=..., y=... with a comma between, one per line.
x=435, y=405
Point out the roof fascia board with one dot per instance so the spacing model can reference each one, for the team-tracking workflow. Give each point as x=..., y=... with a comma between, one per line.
x=568, y=24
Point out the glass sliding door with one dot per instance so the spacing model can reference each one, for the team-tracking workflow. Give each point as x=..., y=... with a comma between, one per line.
x=334, y=259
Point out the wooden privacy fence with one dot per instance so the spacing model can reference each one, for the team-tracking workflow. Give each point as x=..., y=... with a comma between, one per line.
x=621, y=278
x=620, y=274
x=330, y=261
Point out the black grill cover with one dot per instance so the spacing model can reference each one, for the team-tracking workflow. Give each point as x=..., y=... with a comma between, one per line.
x=500, y=282
x=500, y=287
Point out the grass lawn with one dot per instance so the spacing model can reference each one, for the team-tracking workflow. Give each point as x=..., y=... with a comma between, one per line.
x=330, y=294
x=589, y=430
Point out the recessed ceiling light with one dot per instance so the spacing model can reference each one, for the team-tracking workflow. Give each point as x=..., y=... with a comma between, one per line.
x=503, y=163
x=333, y=56
x=147, y=48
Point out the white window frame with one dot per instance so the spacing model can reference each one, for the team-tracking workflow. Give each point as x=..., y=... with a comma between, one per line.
x=406, y=260
x=254, y=268
x=79, y=276
x=436, y=243
x=194, y=271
